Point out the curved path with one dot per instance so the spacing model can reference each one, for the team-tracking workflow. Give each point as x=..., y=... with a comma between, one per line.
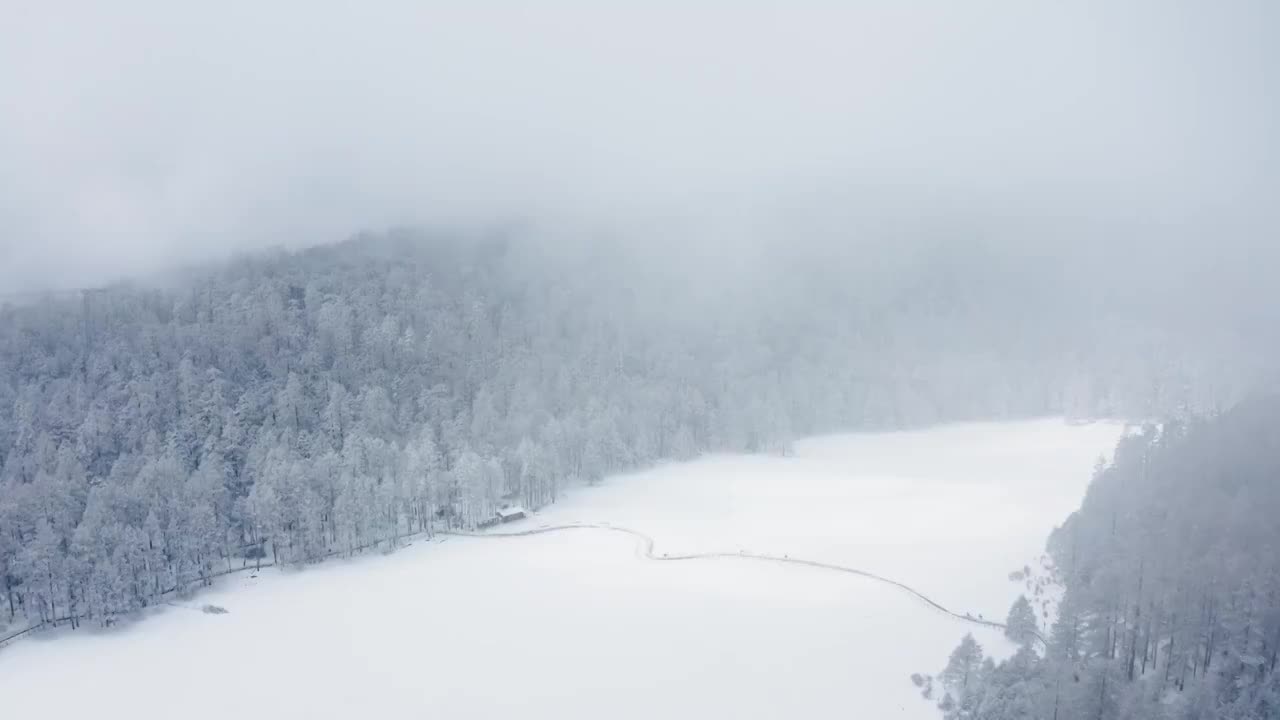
x=647, y=543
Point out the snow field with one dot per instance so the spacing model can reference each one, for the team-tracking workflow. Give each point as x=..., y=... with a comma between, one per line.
x=578, y=625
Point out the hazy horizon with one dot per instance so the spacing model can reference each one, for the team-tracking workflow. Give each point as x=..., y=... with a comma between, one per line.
x=147, y=136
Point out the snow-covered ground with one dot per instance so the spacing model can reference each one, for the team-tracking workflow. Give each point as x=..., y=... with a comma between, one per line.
x=578, y=625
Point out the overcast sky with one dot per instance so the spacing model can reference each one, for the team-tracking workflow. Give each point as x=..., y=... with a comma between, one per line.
x=137, y=135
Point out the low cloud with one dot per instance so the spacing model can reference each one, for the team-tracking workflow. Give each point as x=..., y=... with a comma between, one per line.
x=139, y=135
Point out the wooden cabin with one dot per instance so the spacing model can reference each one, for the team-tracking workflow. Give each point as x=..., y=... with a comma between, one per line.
x=510, y=513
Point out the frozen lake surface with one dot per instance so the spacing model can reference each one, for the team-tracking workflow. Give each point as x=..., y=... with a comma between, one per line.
x=579, y=625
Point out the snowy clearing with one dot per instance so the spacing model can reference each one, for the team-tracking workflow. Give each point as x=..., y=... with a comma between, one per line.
x=579, y=624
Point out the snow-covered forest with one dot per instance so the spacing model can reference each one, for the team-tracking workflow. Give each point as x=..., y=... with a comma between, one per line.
x=290, y=406
x=1172, y=588
x=583, y=624
x=851, y=294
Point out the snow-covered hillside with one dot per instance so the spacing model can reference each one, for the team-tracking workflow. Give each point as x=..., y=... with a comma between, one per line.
x=579, y=625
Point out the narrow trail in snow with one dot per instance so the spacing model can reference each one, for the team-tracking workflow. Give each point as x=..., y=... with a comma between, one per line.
x=647, y=544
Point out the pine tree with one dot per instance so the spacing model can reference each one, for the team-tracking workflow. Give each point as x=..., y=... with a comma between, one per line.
x=963, y=667
x=1021, y=626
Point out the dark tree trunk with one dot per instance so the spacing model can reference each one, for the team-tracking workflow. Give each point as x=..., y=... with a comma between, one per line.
x=1275, y=644
x=1102, y=695
x=1153, y=625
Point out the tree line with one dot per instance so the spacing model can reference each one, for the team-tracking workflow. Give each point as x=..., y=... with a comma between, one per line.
x=1171, y=577
x=295, y=405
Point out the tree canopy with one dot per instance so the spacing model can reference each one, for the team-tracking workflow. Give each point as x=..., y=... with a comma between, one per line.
x=288, y=406
x=1172, y=584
